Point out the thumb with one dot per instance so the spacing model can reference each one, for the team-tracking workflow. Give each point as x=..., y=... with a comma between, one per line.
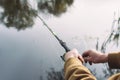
x=86, y=54
x=81, y=59
x=88, y=59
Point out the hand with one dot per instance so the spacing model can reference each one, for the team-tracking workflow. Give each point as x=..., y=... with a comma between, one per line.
x=93, y=56
x=73, y=54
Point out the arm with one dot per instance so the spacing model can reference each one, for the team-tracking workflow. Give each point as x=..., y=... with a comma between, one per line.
x=114, y=60
x=74, y=69
x=93, y=56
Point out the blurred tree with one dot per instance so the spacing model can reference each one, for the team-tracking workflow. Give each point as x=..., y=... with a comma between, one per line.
x=19, y=14
x=55, y=7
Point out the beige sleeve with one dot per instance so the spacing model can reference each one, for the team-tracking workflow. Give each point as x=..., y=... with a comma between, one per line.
x=114, y=63
x=115, y=77
x=74, y=70
x=114, y=60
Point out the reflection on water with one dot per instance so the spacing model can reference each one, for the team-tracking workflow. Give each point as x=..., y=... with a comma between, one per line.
x=17, y=14
x=55, y=75
x=20, y=14
x=55, y=7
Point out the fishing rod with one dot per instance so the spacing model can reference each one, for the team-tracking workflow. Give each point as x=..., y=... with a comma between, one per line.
x=62, y=43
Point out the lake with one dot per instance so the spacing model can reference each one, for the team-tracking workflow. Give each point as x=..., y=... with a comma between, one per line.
x=34, y=53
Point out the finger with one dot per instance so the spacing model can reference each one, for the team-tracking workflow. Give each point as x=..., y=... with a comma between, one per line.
x=85, y=61
x=90, y=62
x=88, y=59
x=85, y=54
x=75, y=50
x=80, y=58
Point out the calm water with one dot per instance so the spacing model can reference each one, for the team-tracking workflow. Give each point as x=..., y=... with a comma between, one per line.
x=34, y=54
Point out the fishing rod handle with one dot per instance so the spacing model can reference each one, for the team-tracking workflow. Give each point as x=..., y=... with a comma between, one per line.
x=63, y=44
x=67, y=49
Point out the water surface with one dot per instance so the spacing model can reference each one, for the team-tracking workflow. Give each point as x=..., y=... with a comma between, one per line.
x=34, y=54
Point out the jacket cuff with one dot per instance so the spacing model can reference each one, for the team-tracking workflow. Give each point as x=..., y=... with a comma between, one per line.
x=70, y=61
x=113, y=60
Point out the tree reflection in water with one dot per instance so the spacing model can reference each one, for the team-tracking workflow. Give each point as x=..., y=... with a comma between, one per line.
x=114, y=39
x=19, y=14
x=55, y=75
x=55, y=7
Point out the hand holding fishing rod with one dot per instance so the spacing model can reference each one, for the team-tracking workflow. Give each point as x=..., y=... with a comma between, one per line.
x=73, y=54
x=88, y=55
